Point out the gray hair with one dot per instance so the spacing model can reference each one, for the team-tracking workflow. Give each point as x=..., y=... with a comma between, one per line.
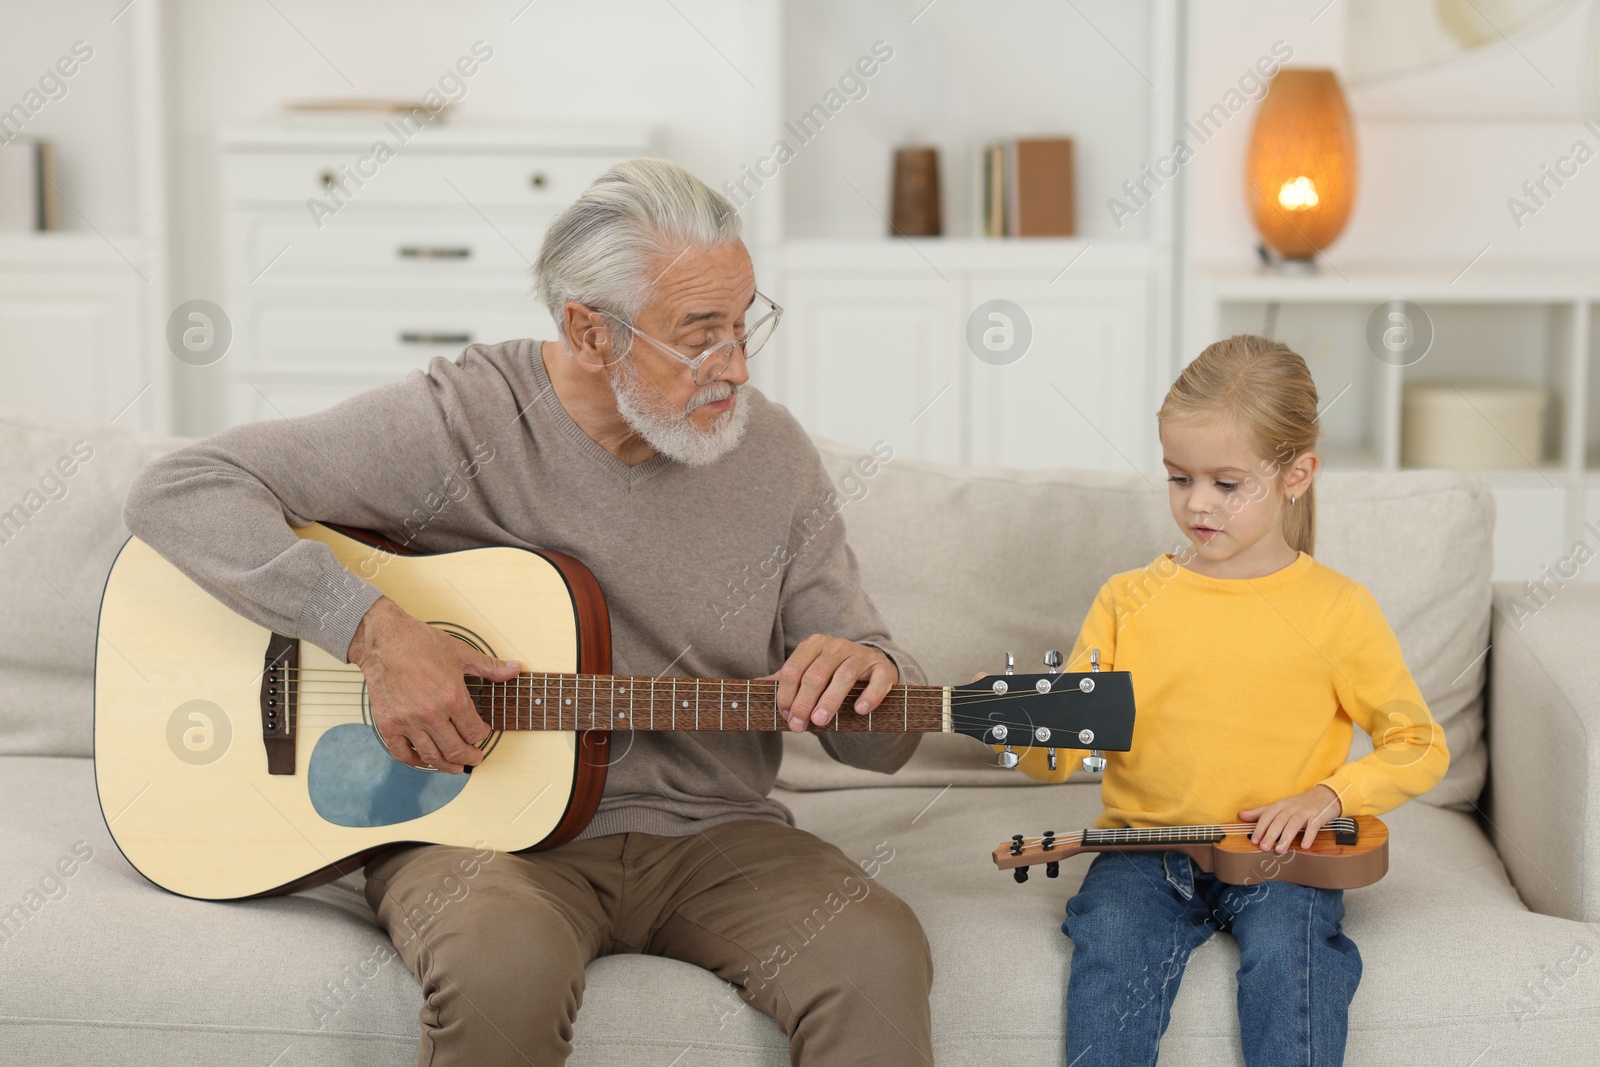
x=604, y=250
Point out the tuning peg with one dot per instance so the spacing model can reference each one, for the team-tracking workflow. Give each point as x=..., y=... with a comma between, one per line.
x=1094, y=660
x=1016, y=844
x=1020, y=874
x=1052, y=869
x=1050, y=758
x=1011, y=664
x=1008, y=759
x=1095, y=761
x=1049, y=841
x=1052, y=661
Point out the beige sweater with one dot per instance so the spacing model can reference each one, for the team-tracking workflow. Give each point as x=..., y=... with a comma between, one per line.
x=715, y=571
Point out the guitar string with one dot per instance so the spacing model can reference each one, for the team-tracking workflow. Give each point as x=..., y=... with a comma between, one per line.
x=351, y=677
x=1160, y=834
x=925, y=701
x=920, y=701
x=597, y=716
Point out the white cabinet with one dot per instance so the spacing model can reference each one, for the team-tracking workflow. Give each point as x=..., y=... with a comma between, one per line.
x=70, y=343
x=877, y=344
x=1080, y=396
x=863, y=361
x=341, y=279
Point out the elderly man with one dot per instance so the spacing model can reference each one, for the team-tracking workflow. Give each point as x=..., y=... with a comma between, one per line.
x=634, y=444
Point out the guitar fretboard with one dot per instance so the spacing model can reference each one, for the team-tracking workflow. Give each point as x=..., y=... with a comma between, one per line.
x=1166, y=835
x=569, y=702
x=1186, y=835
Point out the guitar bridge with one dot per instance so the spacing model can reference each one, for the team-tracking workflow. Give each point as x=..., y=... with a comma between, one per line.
x=280, y=698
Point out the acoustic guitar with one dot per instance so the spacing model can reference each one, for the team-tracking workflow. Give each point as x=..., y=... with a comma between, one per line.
x=234, y=762
x=1348, y=853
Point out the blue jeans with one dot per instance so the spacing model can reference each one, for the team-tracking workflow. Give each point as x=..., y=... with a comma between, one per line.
x=1137, y=918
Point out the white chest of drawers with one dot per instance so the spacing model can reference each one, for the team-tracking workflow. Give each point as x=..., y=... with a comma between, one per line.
x=348, y=268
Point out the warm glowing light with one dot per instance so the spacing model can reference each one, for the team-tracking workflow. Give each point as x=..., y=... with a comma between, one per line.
x=1298, y=194
x=1301, y=170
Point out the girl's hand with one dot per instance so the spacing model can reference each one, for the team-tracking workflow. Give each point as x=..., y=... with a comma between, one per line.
x=1276, y=824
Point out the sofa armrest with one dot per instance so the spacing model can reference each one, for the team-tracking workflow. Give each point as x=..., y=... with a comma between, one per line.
x=1544, y=745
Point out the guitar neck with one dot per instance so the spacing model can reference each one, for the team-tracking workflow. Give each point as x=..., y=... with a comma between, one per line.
x=1021, y=851
x=571, y=702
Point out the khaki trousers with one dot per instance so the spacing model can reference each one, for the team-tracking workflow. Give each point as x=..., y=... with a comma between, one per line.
x=499, y=941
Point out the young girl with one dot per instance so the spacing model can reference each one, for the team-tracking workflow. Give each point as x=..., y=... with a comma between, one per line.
x=1251, y=662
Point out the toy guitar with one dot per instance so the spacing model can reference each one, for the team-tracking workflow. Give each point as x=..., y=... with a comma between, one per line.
x=233, y=762
x=1347, y=853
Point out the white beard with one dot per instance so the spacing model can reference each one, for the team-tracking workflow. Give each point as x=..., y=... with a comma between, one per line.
x=670, y=431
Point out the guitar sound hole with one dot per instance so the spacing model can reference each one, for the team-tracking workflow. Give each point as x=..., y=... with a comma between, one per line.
x=475, y=690
x=354, y=781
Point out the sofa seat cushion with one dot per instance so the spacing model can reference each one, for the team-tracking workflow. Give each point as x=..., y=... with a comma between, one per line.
x=100, y=967
x=1454, y=963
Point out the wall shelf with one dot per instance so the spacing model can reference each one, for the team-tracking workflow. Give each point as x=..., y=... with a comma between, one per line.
x=1530, y=324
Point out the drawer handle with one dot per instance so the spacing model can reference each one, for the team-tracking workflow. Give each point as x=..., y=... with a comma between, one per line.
x=422, y=337
x=538, y=179
x=422, y=252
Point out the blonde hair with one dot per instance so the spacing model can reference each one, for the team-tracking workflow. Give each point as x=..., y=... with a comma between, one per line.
x=1263, y=387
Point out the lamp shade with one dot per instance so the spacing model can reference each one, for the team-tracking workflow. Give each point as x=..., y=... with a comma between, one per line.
x=1300, y=174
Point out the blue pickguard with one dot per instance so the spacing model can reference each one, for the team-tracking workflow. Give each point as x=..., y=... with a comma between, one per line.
x=354, y=781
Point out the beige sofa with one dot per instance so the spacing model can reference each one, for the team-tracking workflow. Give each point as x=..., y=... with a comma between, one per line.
x=1476, y=945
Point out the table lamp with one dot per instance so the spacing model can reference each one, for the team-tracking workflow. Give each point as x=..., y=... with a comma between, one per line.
x=1300, y=173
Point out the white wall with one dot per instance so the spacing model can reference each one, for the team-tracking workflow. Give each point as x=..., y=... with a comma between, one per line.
x=1440, y=151
x=965, y=72
x=92, y=124
x=681, y=67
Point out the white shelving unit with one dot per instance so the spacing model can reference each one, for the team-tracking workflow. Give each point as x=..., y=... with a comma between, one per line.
x=83, y=309
x=875, y=345
x=1528, y=325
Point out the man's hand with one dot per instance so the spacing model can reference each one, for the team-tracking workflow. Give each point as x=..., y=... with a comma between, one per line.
x=1276, y=824
x=414, y=675
x=816, y=679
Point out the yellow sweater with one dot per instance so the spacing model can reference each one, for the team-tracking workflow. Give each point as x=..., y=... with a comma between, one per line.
x=1247, y=690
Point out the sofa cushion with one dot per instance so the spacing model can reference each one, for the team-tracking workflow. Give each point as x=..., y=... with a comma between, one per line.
x=61, y=490
x=98, y=966
x=966, y=563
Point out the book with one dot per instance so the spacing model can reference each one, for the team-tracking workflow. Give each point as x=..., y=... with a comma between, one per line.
x=19, y=186
x=28, y=198
x=49, y=183
x=1041, y=184
x=1028, y=188
x=994, y=218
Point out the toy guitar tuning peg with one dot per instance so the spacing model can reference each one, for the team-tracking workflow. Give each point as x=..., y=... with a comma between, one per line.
x=1016, y=844
x=1020, y=874
x=1052, y=869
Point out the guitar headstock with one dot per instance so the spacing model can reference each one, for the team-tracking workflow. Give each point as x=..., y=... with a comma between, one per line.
x=1018, y=854
x=1092, y=710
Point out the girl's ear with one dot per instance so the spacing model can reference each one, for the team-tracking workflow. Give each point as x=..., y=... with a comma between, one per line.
x=1297, y=476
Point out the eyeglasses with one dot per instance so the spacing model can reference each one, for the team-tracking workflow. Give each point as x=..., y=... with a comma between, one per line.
x=709, y=365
